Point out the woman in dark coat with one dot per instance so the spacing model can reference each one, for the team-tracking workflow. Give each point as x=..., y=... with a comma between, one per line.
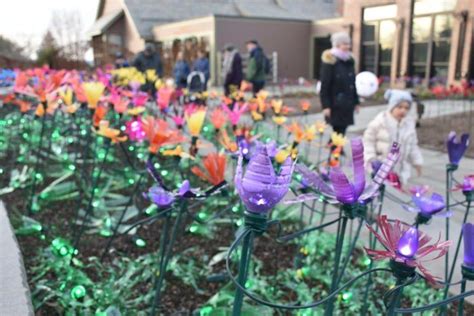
x=338, y=92
x=231, y=68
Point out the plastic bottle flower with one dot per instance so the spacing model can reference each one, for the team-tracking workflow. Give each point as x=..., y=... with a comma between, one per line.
x=341, y=189
x=468, y=236
x=236, y=113
x=93, y=91
x=195, y=121
x=227, y=143
x=159, y=134
x=260, y=188
x=297, y=132
x=310, y=133
x=110, y=133
x=164, y=96
x=214, y=168
x=163, y=198
x=279, y=119
x=320, y=127
x=305, y=105
x=456, y=148
x=139, y=99
x=405, y=244
x=338, y=140
x=177, y=152
x=136, y=110
x=66, y=95
x=428, y=206
x=120, y=103
x=277, y=106
x=218, y=118
x=99, y=114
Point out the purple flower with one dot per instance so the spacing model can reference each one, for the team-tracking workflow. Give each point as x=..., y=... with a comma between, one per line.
x=260, y=189
x=456, y=148
x=163, y=198
x=408, y=243
x=419, y=190
x=429, y=206
x=468, y=236
x=342, y=190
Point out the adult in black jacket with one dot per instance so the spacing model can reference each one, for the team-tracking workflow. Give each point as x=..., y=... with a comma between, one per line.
x=149, y=59
x=231, y=68
x=338, y=92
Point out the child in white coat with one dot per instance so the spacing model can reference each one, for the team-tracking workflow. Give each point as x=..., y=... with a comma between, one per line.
x=394, y=125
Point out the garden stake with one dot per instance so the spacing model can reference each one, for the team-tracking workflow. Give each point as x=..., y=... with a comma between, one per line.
x=466, y=214
x=122, y=215
x=167, y=256
x=461, y=302
x=337, y=261
x=95, y=184
x=37, y=163
x=349, y=253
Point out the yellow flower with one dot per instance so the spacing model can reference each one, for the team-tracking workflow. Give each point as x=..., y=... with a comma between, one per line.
x=279, y=119
x=262, y=95
x=72, y=108
x=277, y=105
x=320, y=126
x=150, y=75
x=281, y=156
x=113, y=134
x=338, y=140
x=66, y=96
x=256, y=116
x=178, y=151
x=93, y=91
x=136, y=110
x=159, y=84
x=310, y=133
x=195, y=122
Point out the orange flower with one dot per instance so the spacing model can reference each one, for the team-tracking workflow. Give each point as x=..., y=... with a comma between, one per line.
x=227, y=143
x=159, y=134
x=305, y=105
x=310, y=133
x=25, y=106
x=245, y=86
x=178, y=152
x=297, y=131
x=214, y=165
x=218, y=118
x=99, y=115
x=277, y=105
x=39, y=110
x=111, y=133
x=320, y=126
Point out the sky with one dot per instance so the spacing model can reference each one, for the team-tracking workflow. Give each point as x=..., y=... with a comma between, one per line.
x=28, y=20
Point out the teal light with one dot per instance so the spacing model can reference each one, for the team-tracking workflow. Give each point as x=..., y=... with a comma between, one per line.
x=38, y=176
x=123, y=128
x=96, y=203
x=131, y=181
x=193, y=228
x=140, y=242
x=367, y=261
x=157, y=165
x=140, y=156
x=206, y=311
x=346, y=296
x=71, y=167
x=70, y=140
x=164, y=173
x=202, y=215
x=131, y=148
x=239, y=222
x=1, y=170
x=235, y=208
x=83, y=132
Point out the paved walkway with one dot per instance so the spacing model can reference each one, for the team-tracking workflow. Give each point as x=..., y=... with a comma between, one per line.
x=14, y=291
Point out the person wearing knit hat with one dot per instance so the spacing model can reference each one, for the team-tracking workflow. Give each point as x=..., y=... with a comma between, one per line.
x=338, y=93
x=394, y=125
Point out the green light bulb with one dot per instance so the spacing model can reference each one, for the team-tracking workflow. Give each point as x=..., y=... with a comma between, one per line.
x=193, y=228
x=157, y=165
x=346, y=296
x=78, y=292
x=202, y=215
x=131, y=148
x=71, y=167
x=206, y=311
x=164, y=173
x=140, y=242
x=131, y=181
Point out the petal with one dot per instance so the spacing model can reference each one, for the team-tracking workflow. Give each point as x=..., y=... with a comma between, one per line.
x=342, y=187
x=358, y=165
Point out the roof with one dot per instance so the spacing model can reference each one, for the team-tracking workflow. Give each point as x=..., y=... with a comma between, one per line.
x=148, y=13
x=104, y=22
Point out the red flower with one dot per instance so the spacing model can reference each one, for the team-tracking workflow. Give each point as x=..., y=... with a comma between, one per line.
x=390, y=236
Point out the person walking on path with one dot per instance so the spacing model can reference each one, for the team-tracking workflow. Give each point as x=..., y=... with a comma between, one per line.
x=231, y=69
x=338, y=94
x=181, y=71
x=148, y=59
x=257, y=66
x=394, y=125
x=201, y=64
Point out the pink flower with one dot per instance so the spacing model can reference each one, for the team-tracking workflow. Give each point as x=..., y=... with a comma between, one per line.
x=140, y=99
x=134, y=129
x=236, y=113
x=390, y=237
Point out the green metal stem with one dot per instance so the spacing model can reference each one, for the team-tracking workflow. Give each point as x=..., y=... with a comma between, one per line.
x=395, y=301
x=461, y=302
x=243, y=272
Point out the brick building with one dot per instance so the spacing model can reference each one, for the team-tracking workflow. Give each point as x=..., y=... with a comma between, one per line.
x=427, y=40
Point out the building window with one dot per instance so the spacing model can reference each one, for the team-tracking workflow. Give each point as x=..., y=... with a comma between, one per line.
x=378, y=39
x=431, y=40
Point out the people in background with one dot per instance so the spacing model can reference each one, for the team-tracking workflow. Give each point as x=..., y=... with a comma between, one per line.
x=231, y=68
x=257, y=66
x=180, y=71
x=149, y=59
x=120, y=61
x=338, y=92
x=394, y=125
x=201, y=64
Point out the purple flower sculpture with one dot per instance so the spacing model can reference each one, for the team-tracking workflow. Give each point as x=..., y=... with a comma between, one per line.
x=456, y=148
x=260, y=188
x=340, y=188
x=419, y=190
x=428, y=206
x=468, y=236
x=163, y=198
x=408, y=243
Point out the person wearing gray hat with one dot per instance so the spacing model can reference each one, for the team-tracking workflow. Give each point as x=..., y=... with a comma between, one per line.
x=394, y=125
x=338, y=92
x=148, y=59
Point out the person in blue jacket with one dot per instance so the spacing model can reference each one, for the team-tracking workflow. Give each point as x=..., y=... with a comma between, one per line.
x=181, y=71
x=201, y=64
